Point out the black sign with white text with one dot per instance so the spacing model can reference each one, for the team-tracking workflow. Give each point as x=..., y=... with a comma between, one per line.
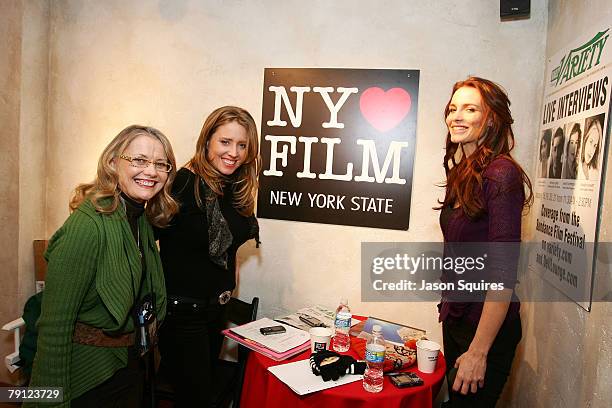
x=338, y=146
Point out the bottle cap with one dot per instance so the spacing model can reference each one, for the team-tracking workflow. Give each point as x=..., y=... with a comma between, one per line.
x=344, y=301
x=376, y=328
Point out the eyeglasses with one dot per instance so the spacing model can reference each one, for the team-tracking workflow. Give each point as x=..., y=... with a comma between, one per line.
x=144, y=163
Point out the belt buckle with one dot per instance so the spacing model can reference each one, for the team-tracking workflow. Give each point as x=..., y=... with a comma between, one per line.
x=225, y=297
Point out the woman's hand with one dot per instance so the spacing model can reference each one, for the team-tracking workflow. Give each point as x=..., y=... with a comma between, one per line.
x=471, y=367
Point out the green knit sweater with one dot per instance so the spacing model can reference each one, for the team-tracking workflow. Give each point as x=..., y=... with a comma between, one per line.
x=94, y=272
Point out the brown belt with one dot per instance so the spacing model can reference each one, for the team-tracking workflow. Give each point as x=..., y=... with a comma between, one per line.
x=92, y=336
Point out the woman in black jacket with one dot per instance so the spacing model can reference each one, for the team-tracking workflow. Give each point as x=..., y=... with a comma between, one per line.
x=216, y=192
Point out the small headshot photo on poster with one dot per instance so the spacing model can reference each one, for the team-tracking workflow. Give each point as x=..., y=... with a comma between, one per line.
x=544, y=152
x=556, y=154
x=572, y=150
x=591, y=146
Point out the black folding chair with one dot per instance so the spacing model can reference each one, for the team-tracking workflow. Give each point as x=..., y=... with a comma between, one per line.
x=229, y=375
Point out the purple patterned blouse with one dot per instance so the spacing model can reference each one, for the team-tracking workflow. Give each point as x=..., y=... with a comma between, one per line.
x=503, y=196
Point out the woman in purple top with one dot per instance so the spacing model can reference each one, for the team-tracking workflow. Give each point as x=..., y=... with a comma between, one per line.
x=484, y=201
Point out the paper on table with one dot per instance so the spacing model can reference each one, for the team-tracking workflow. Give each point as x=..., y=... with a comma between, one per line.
x=299, y=377
x=322, y=313
x=278, y=342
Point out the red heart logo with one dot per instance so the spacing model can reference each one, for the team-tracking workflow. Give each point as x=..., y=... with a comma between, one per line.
x=384, y=110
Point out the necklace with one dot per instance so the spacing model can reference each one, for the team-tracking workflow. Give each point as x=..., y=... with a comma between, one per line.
x=138, y=242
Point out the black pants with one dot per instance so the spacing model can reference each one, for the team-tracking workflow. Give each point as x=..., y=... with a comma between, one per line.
x=189, y=343
x=123, y=390
x=457, y=339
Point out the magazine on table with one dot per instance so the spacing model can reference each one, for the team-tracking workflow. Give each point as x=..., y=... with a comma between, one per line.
x=392, y=332
x=321, y=313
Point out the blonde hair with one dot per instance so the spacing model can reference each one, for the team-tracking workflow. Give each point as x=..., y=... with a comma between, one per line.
x=104, y=190
x=245, y=177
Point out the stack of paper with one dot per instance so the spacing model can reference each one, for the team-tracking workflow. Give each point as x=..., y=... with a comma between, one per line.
x=299, y=377
x=276, y=346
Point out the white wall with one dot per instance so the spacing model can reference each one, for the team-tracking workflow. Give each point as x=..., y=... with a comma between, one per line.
x=24, y=27
x=169, y=63
x=10, y=79
x=33, y=138
x=565, y=358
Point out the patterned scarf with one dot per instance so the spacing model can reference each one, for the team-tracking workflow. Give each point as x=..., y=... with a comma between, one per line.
x=219, y=235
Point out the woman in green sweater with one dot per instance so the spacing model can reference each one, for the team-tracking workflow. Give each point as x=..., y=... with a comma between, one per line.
x=104, y=286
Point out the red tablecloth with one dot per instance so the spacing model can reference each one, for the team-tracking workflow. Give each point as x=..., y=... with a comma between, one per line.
x=262, y=389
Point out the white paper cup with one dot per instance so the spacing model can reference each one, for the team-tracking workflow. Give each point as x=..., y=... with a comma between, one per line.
x=319, y=338
x=427, y=355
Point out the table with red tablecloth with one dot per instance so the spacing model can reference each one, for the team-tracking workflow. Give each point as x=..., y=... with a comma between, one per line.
x=261, y=389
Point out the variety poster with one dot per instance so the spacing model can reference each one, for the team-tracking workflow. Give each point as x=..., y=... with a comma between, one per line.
x=570, y=164
x=338, y=146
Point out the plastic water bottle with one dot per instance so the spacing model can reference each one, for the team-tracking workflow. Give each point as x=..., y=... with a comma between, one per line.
x=375, y=357
x=342, y=325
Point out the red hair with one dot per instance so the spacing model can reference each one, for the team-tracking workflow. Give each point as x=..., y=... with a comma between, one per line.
x=464, y=173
